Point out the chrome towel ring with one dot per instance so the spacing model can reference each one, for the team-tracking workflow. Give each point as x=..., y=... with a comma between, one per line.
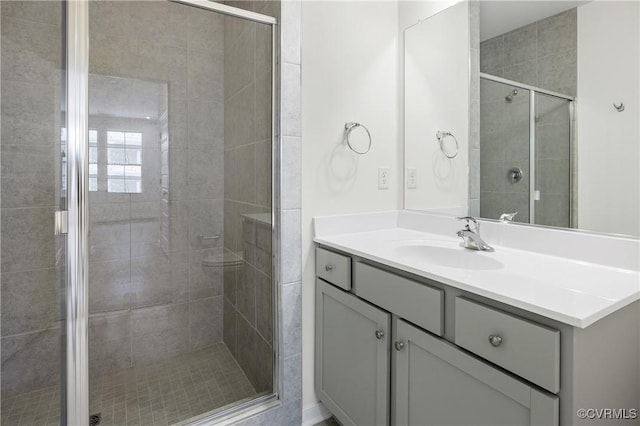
x=441, y=136
x=348, y=128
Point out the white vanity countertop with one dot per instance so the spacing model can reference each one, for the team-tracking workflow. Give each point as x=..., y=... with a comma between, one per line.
x=569, y=290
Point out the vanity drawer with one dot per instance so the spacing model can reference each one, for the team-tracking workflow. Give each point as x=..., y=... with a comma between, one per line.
x=334, y=268
x=410, y=300
x=529, y=350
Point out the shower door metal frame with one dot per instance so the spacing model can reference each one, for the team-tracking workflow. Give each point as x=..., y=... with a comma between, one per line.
x=532, y=139
x=526, y=86
x=229, y=10
x=77, y=318
x=77, y=312
x=532, y=156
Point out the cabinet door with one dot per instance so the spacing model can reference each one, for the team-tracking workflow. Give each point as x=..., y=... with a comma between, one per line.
x=436, y=383
x=352, y=357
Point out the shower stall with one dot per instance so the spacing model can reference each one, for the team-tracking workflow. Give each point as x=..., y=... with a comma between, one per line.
x=526, y=153
x=138, y=257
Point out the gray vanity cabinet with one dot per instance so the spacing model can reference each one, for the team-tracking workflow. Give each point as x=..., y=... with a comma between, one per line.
x=352, y=357
x=435, y=383
x=394, y=348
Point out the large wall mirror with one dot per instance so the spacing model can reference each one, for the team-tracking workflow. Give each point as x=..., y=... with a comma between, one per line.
x=529, y=107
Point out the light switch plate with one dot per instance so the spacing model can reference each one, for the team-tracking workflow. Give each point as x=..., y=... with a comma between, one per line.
x=412, y=178
x=383, y=177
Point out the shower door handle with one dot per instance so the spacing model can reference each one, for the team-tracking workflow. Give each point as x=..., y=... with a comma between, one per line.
x=60, y=222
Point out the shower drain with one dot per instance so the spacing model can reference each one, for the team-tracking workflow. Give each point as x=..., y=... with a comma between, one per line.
x=95, y=419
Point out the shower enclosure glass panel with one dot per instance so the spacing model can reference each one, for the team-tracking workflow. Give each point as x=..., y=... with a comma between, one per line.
x=525, y=134
x=33, y=186
x=553, y=161
x=504, y=150
x=180, y=205
x=180, y=300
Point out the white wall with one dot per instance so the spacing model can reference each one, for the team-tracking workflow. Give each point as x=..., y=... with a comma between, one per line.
x=437, y=71
x=608, y=141
x=349, y=73
x=410, y=12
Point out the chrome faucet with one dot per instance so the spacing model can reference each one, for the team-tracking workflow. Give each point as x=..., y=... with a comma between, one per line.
x=472, y=240
x=507, y=217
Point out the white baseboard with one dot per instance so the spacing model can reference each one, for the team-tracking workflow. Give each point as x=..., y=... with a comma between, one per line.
x=315, y=414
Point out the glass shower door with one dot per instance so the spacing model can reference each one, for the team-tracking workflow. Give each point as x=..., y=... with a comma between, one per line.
x=178, y=302
x=179, y=133
x=553, y=161
x=504, y=150
x=33, y=186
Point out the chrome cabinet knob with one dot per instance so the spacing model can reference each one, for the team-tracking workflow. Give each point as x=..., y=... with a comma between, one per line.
x=328, y=268
x=495, y=340
x=399, y=345
x=379, y=334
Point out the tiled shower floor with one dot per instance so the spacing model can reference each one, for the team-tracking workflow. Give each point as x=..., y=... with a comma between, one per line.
x=163, y=393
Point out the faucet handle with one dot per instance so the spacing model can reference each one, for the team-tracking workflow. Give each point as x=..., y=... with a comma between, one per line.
x=507, y=217
x=470, y=219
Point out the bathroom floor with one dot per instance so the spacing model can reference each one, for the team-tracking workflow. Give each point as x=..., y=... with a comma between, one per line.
x=331, y=421
x=162, y=393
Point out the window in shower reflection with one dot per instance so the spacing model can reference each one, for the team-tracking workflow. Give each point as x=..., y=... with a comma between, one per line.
x=124, y=139
x=124, y=162
x=93, y=160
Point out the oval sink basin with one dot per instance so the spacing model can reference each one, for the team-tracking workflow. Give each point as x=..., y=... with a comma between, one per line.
x=459, y=258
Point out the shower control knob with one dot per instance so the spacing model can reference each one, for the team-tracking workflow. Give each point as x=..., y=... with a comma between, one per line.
x=379, y=334
x=495, y=340
x=515, y=174
x=328, y=268
x=399, y=345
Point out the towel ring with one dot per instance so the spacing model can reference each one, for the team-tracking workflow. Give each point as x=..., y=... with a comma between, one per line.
x=441, y=136
x=348, y=128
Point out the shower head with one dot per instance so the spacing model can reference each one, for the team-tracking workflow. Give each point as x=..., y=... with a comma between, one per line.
x=510, y=96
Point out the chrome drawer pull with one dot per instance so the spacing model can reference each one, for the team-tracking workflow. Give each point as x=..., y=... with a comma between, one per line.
x=399, y=345
x=495, y=340
x=328, y=268
x=379, y=334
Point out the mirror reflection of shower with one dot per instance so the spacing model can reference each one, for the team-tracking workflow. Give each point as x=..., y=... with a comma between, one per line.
x=511, y=95
x=522, y=168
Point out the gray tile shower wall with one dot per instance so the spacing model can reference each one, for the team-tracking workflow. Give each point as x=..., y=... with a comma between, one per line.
x=150, y=294
x=247, y=122
x=31, y=287
x=147, y=258
x=249, y=306
x=504, y=133
x=541, y=54
x=289, y=362
x=247, y=154
x=164, y=43
x=553, y=159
